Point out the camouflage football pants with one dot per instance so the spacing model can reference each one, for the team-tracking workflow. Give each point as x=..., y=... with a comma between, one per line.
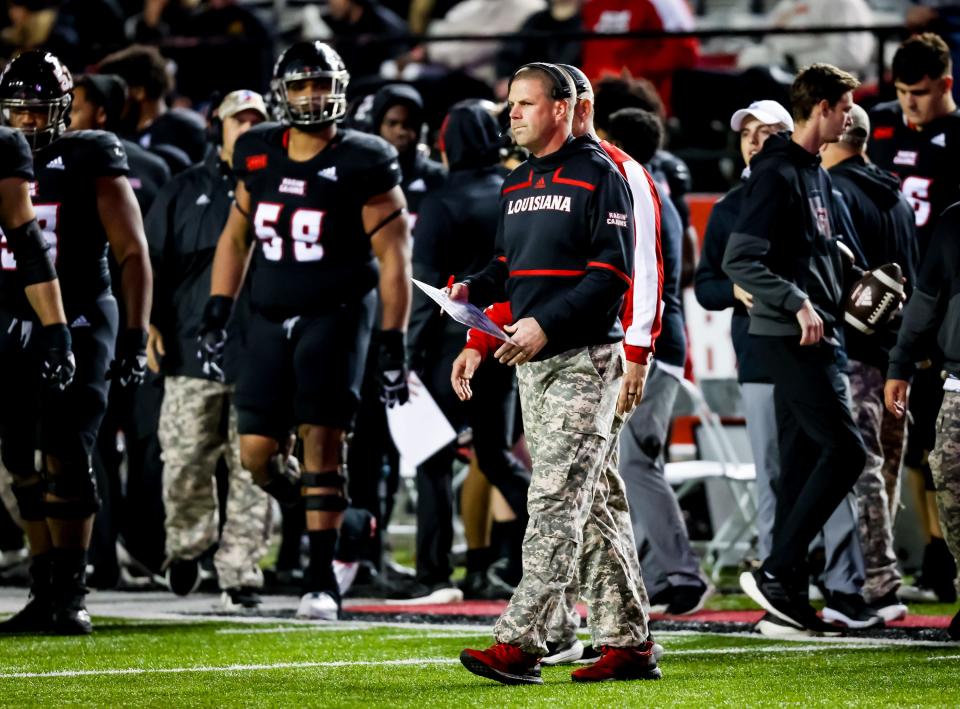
x=198, y=425
x=878, y=487
x=945, y=466
x=579, y=520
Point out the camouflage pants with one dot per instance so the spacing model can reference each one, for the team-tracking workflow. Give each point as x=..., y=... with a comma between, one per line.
x=945, y=466
x=198, y=425
x=563, y=626
x=579, y=520
x=878, y=487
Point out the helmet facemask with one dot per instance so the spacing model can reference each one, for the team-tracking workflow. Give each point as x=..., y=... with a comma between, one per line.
x=57, y=112
x=317, y=109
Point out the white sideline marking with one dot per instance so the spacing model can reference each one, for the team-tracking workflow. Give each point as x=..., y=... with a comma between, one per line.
x=765, y=649
x=225, y=668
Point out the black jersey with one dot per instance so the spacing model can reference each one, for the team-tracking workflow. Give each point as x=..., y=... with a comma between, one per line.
x=925, y=161
x=16, y=160
x=312, y=252
x=64, y=198
x=420, y=177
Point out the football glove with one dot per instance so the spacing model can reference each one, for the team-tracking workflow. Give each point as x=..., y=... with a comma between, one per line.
x=129, y=367
x=58, y=366
x=213, y=336
x=392, y=368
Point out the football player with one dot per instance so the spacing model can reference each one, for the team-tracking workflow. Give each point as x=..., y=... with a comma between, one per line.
x=22, y=242
x=317, y=207
x=83, y=203
x=916, y=137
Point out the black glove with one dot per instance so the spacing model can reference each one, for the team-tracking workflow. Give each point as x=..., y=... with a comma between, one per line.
x=59, y=366
x=392, y=368
x=213, y=336
x=129, y=367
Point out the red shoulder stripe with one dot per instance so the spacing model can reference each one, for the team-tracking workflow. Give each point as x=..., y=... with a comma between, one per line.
x=576, y=183
x=519, y=186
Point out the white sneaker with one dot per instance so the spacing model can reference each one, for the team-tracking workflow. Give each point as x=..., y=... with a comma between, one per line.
x=446, y=594
x=563, y=653
x=318, y=606
x=346, y=573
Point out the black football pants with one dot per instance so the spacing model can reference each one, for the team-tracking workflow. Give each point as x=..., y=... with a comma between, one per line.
x=821, y=452
x=490, y=414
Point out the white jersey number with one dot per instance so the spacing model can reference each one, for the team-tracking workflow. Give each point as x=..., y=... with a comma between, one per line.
x=917, y=192
x=306, y=226
x=48, y=217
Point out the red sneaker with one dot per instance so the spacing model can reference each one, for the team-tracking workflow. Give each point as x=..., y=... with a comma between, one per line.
x=504, y=663
x=621, y=663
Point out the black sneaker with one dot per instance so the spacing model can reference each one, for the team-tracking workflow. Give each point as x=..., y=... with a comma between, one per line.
x=889, y=607
x=240, y=599
x=851, y=610
x=953, y=630
x=771, y=595
x=590, y=655
x=564, y=653
x=35, y=617
x=477, y=586
x=816, y=625
x=771, y=626
x=183, y=576
x=687, y=600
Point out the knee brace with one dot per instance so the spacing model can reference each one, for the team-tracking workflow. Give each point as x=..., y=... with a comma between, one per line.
x=325, y=502
x=76, y=487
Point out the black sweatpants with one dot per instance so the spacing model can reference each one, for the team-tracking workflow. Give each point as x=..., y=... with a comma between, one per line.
x=490, y=414
x=821, y=452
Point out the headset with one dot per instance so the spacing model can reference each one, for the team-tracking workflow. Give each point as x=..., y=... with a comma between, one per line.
x=561, y=82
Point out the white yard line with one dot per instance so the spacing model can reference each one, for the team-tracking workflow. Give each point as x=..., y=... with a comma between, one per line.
x=421, y=661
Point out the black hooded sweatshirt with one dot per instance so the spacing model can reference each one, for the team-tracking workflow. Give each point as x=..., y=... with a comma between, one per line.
x=457, y=227
x=420, y=174
x=783, y=248
x=885, y=224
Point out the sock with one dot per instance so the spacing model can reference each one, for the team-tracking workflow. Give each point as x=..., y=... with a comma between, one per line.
x=478, y=560
x=320, y=576
x=69, y=574
x=41, y=566
x=506, y=542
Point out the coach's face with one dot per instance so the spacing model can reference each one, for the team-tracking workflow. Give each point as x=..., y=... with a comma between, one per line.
x=534, y=115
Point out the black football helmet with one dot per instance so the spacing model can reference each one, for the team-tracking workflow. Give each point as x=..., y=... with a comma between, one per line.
x=37, y=81
x=317, y=61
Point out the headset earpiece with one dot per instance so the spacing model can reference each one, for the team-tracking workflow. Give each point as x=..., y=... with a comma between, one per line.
x=561, y=83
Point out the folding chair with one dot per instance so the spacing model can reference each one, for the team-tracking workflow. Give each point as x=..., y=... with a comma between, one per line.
x=732, y=537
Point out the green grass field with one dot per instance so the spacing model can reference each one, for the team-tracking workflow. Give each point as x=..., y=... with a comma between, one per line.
x=283, y=664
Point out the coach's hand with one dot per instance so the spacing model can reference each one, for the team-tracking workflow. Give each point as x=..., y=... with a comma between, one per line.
x=213, y=336
x=895, y=396
x=129, y=367
x=464, y=367
x=811, y=325
x=528, y=339
x=392, y=361
x=59, y=366
x=631, y=389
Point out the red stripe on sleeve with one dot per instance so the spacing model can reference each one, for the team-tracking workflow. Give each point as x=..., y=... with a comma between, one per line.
x=620, y=274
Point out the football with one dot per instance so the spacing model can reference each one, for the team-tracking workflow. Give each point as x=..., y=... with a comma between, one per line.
x=874, y=298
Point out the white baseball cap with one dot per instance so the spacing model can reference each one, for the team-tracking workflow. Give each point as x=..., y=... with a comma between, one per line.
x=242, y=100
x=765, y=111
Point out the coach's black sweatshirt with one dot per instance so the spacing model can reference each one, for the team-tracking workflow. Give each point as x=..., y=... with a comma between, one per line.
x=783, y=249
x=564, y=250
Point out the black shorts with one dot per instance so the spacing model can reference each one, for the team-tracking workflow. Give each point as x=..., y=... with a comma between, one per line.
x=63, y=424
x=304, y=370
x=926, y=396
